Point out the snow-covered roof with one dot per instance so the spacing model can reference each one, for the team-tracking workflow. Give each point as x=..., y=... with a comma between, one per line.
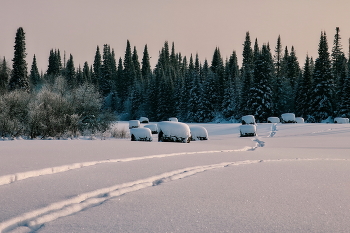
x=141, y=134
x=246, y=129
x=288, y=116
x=248, y=119
x=134, y=124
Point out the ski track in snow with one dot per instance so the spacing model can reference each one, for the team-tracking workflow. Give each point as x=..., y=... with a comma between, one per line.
x=35, y=219
x=8, y=179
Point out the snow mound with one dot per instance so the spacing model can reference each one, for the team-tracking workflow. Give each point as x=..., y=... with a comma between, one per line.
x=273, y=120
x=341, y=120
x=170, y=131
x=141, y=134
x=247, y=130
x=152, y=127
x=134, y=124
x=198, y=133
x=144, y=120
x=173, y=119
x=248, y=119
x=288, y=118
x=299, y=120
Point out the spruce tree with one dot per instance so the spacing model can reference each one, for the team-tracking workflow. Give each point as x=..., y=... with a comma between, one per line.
x=34, y=75
x=323, y=90
x=247, y=71
x=128, y=72
x=70, y=73
x=303, y=93
x=261, y=91
x=344, y=90
x=105, y=81
x=19, y=75
x=86, y=73
x=97, y=67
x=4, y=75
x=278, y=80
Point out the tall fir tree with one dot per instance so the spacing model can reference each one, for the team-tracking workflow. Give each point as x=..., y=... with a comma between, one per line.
x=4, y=75
x=261, y=101
x=247, y=71
x=34, y=75
x=19, y=75
x=343, y=100
x=304, y=89
x=86, y=73
x=70, y=73
x=323, y=90
x=128, y=72
x=97, y=67
x=279, y=79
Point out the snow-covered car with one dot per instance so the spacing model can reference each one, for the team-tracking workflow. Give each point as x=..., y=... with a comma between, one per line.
x=247, y=130
x=248, y=120
x=198, y=133
x=144, y=120
x=173, y=119
x=169, y=131
x=152, y=127
x=299, y=120
x=273, y=120
x=141, y=134
x=288, y=118
x=340, y=120
x=134, y=124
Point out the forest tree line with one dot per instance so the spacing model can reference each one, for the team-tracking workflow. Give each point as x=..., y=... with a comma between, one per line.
x=268, y=83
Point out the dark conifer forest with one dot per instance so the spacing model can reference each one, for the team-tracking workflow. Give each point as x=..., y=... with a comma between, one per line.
x=69, y=97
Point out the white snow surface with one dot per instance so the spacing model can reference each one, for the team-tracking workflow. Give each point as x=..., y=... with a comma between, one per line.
x=290, y=178
x=247, y=129
x=299, y=120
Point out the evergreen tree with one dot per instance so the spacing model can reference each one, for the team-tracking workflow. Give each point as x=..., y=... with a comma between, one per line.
x=105, y=82
x=86, y=73
x=218, y=69
x=279, y=79
x=303, y=93
x=247, y=71
x=70, y=73
x=128, y=72
x=19, y=75
x=97, y=67
x=261, y=91
x=4, y=75
x=146, y=71
x=323, y=91
x=137, y=66
x=55, y=65
x=343, y=92
x=34, y=73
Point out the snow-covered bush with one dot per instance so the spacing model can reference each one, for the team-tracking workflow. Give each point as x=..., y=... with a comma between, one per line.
x=288, y=118
x=247, y=130
x=248, y=119
x=299, y=120
x=141, y=134
x=144, y=120
x=173, y=119
x=273, y=120
x=153, y=128
x=198, y=133
x=169, y=131
x=134, y=124
x=340, y=120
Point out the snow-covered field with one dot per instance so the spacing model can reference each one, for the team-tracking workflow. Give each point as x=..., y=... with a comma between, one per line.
x=289, y=178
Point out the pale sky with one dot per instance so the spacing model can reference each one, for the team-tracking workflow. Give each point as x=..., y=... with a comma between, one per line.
x=195, y=26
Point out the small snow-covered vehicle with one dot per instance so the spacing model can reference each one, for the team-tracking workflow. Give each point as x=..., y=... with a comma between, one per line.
x=198, y=133
x=288, y=118
x=273, y=120
x=134, y=124
x=299, y=120
x=247, y=130
x=141, y=134
x=169, y=131
x=340, y=120
x=144, y=120
x=152, y=127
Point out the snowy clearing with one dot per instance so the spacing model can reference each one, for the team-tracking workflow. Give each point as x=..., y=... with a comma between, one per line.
x=289, y=178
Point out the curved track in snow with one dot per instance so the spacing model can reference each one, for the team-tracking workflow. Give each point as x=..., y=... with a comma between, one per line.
x=36, y=218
